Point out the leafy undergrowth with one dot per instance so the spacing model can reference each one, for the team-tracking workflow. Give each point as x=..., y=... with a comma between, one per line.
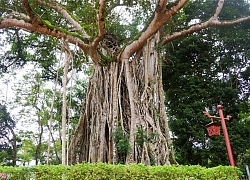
x=104, y=171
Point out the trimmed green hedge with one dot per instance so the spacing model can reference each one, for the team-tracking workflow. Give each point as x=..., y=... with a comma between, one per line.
x=104, y=171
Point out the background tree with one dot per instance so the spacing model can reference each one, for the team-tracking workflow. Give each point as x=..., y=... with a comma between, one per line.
x=30, y=99
x=205, y=70
x=125, y=90
x=28, y=150
x=8, y=138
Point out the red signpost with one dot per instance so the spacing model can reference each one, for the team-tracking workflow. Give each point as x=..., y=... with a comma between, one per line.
x=224, y=128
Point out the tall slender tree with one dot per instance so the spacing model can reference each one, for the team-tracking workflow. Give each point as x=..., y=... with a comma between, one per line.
x=122, y=39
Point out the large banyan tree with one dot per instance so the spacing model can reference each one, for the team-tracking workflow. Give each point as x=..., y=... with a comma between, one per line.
x=123, y=116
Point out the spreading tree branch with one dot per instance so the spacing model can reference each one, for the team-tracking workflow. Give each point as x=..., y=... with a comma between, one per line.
x=213, y=21
x=161, y=16
x=218, y=9
x=18, y=15
x=35, y=24
x=100, y=20
x=33, y=17
x=5, y=23
x=201, y=26
x=66, y=15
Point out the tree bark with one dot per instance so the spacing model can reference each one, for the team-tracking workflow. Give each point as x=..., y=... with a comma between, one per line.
x=126, y=95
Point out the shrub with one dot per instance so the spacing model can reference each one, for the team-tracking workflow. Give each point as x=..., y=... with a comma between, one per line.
x=102, y=171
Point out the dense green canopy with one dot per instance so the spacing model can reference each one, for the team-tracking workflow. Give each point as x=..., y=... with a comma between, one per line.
x=202, y=71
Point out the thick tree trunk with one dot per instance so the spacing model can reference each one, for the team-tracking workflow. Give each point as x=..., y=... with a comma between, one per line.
x=123, y=117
